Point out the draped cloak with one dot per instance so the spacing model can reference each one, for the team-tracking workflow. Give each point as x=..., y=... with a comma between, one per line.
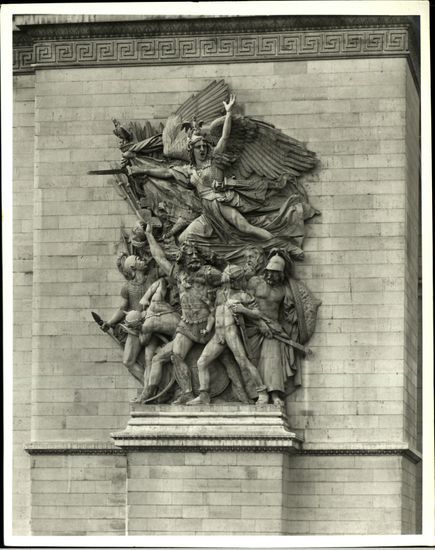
x=279, y=364
x=283, y=216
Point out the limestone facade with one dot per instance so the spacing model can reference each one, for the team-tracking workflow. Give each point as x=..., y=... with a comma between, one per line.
x=348, y=89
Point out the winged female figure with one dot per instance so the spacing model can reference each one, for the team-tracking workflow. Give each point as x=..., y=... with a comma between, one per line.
x=219, y=182
x=235, y=176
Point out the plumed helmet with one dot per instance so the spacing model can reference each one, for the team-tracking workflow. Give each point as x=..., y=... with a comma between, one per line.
x=232, y=273
x=197, y=138
x=276, y=263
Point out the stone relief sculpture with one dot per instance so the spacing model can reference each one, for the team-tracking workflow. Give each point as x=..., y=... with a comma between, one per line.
x=211, y=310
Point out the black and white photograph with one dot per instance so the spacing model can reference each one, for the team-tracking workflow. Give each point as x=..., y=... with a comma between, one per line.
x=217, y=274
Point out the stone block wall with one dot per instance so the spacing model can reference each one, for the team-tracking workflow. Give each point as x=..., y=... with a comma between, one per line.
x=355, y=253
x=81, y=391
x=362, y=495
x=211, y=493
x=23, y=169
x=352, y=113
x=359, y=387
x=78, y=495
x=412, y=236
x=231, y=493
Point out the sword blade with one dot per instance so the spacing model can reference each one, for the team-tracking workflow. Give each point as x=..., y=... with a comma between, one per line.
x=97, y=318
x=109, y=171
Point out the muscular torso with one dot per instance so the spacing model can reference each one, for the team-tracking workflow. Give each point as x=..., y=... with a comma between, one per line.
x=224, y=317
x=195, y=298
x=268, y=297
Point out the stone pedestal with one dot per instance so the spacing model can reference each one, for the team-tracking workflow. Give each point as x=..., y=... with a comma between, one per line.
x=207, y=470
x=208, y=427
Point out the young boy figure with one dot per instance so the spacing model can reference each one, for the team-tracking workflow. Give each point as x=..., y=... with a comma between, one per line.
x=227, y=335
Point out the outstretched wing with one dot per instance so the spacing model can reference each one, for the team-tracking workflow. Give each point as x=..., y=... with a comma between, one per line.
x=144, y=139
x=258, y=148
x=205, y=106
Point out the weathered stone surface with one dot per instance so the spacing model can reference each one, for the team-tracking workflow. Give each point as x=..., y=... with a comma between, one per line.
x=360, y=116
x=208, y=427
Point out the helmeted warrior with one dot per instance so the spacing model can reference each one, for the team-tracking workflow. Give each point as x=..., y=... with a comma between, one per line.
x=195, y=282
x=140, y=275
x=288, y=315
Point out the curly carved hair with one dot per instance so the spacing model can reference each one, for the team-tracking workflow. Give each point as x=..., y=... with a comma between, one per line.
x=205, y=256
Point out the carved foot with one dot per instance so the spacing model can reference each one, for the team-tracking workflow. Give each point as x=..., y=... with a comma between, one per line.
x=202, y=399
x=263, y=398
x=147, y=393
x=278, y=402
x=184, y=398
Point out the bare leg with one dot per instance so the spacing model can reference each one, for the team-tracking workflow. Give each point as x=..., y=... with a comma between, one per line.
x=132, y=349
x=211, y=352
x=160, y=359
x=150, y=351
x=238, y=220
x=198, y=227
x=155, y=375
x=181, y=347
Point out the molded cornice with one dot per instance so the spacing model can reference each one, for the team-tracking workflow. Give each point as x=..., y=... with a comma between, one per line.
x=212, y=40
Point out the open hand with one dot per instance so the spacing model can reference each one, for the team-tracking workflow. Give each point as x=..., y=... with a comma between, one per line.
x=228, y=106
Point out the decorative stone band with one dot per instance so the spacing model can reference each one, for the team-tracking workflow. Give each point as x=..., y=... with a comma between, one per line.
x=366, y=449
x=206, y=444
x=285, y=45
x=226, y=427
x=72, y=448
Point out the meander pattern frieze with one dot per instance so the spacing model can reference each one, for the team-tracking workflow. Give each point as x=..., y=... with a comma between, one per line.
x=23, y=59
x=292, y=45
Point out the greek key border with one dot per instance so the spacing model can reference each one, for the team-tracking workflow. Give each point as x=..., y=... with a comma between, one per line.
x=279, y=46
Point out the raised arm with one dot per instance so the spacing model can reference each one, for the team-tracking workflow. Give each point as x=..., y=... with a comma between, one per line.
x=226, y=130
x=157, y=252
x=146, y=298
x=158, y=172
